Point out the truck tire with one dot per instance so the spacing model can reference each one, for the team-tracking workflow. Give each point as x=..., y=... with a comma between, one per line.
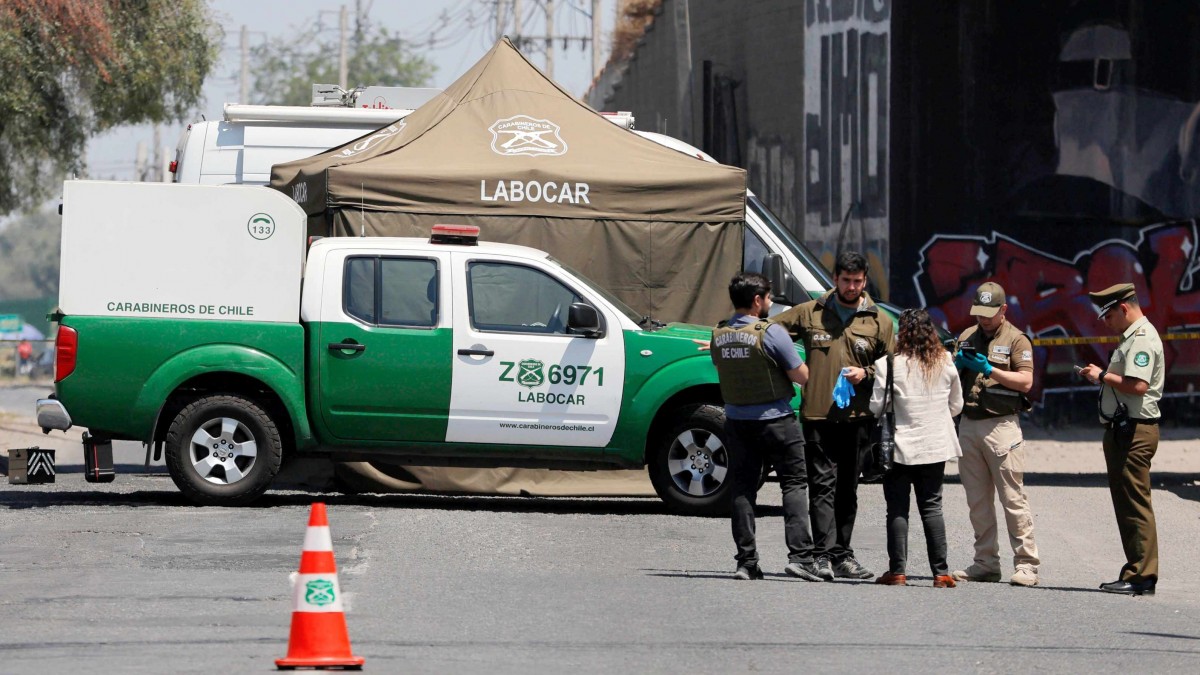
x=223, y=450
x=689, y=465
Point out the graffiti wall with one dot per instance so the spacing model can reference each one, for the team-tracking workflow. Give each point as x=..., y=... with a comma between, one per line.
x=1047, y=295
x=845, y=154
x=1054, y=150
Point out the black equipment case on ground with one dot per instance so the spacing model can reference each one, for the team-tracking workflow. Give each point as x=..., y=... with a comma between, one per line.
x=97, y=459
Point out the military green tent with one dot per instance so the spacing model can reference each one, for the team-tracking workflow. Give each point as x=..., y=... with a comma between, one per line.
x=506, y=149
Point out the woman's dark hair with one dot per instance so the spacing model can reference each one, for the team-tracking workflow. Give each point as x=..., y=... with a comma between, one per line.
x=918, y=340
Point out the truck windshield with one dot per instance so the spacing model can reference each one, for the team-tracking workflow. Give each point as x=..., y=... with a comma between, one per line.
x=613, y=300
x=806, y=256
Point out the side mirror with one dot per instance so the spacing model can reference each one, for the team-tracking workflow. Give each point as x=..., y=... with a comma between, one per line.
x=773, y=270
x=583, y=319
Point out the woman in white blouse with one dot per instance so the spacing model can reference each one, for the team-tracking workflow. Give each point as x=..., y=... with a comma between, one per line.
x=926, y=397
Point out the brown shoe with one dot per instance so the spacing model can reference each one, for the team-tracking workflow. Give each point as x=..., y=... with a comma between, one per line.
x=944, y=581
x=889, y=579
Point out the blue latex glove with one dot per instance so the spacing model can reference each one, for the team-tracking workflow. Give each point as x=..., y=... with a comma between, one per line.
x=976, y=362
x=843, y=391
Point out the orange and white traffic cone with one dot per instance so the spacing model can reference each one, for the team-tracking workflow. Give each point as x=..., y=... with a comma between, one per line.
x=319, y=638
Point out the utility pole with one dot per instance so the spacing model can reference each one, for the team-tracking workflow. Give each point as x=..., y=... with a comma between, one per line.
x=139, y=166
x=153, y=169
x=343, y=64
x=244, y=80
x=595, y=38
x=550, y=39
x=518, y=29
x=359, y=20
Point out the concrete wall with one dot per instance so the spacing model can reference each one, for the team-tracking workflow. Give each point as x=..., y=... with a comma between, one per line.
x=799, y=100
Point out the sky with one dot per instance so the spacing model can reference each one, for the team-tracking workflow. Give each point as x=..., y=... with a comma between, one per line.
x=461, y=31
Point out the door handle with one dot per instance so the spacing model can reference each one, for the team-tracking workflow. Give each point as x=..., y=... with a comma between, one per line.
x=346, y=346
x=476, y=352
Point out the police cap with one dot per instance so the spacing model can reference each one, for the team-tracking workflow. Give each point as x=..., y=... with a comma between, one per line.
x=989, y=298
x=1111, y=297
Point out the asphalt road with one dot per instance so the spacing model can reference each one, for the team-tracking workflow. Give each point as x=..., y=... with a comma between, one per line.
x=127, y=577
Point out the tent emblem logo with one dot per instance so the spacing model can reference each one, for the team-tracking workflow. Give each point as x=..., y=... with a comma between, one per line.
x=524, y=135
x=373, y=140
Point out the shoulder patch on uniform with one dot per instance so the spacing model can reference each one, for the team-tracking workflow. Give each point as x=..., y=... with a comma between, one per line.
x=1141, y=359
x=1026, y=355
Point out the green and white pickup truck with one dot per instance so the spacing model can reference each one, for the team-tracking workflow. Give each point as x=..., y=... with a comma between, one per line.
x=195, y=318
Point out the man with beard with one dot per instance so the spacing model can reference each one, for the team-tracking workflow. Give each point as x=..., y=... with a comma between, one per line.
x=756, y=365
x=843, y=332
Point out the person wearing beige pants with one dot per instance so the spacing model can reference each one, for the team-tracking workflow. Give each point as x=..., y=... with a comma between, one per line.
x=995, y=362
x=993, y=461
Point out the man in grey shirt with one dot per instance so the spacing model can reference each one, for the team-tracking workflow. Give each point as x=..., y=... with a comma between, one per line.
x=757, y=365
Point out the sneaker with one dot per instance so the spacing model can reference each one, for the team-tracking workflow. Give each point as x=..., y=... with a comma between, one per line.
x=976, y=573
x=748, y=573
x=889, y=579
x=824, y=568
x=944, y=581
x=805, y=571
x=852, y=569
x=1024, y=576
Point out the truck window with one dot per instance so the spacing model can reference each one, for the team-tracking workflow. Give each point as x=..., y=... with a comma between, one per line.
x=399, y=291
x=517, y=299
x=358, y=297
x=753, y=250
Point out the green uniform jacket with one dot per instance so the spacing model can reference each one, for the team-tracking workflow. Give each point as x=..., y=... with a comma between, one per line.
x=831, y=346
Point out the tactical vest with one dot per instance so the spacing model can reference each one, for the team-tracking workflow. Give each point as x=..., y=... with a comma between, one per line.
x=748, y=375
x=984, y=397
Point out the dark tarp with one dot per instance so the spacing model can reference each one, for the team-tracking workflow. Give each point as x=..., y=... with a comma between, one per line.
x=505, y=149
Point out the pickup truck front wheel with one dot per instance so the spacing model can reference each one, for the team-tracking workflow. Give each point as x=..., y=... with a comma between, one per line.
x=689, y=465
x=223, y=450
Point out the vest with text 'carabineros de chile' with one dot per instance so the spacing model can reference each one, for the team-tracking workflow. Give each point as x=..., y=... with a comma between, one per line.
x=748, y=375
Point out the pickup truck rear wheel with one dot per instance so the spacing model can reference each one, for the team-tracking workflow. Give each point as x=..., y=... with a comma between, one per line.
x=689, y=466
x=223, y=450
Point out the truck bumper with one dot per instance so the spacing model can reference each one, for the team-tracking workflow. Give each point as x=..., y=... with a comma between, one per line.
x=51, y=414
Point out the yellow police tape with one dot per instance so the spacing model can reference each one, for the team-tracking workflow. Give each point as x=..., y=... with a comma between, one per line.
x=1099, y=339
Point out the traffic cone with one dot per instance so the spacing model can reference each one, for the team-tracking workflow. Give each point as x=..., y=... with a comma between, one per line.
x=319, y=638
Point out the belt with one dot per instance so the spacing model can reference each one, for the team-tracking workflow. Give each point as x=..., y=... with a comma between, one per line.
x=1135, y=420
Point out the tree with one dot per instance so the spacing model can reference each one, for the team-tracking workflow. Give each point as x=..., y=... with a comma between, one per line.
x=75, y=68
x=29, y=251
x=286, y=68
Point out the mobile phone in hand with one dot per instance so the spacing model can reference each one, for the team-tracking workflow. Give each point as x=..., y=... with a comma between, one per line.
x=968, y=351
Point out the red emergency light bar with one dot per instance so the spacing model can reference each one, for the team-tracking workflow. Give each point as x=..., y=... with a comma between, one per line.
x=467, y=235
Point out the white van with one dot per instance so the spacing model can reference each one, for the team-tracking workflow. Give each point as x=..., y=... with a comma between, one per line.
x=242, y=147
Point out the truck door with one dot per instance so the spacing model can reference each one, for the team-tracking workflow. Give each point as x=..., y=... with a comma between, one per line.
x=518, y=376
x=391, y=379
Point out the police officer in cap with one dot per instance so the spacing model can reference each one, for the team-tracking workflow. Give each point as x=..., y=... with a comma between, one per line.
x=1130, y=389
x=996, y=366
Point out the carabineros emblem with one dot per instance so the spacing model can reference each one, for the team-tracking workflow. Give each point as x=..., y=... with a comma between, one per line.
x=319, y=592
x=529, y=373
x=1142, y=359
